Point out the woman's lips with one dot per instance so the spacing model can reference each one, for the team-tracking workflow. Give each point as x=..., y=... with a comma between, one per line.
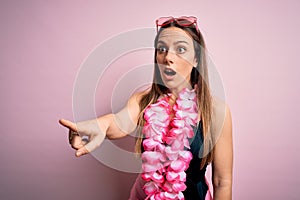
x=169, y=73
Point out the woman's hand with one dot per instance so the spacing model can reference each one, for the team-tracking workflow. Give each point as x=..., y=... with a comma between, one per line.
x=89, y=128
x=111, y=126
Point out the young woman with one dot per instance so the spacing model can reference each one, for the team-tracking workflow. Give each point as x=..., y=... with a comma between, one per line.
x=182, y=128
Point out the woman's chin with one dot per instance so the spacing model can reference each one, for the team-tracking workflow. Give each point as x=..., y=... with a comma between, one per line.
x=170, y=84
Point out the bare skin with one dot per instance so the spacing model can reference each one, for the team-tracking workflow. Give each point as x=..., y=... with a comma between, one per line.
x=175, y=52
x=179, y=57
x=111, y=126
x=222, y=163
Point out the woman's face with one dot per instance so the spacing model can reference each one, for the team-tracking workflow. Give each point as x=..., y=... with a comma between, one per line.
x=175, y=58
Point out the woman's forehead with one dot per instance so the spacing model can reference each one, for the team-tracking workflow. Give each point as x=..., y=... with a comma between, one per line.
x=173, y=34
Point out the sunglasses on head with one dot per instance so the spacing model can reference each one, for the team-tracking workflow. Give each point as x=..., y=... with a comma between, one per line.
x=183, y=21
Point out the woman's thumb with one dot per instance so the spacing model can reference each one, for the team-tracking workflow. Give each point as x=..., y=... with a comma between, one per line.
x=81, y=151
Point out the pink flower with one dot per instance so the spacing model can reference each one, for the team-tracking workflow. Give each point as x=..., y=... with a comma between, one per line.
x=172, y=176
x=186, y=143
x=167, y=186
x=187, y=94
x=146, y=176
x=170, y=196
x=157, y=196
x=180, y=186
x=153, y=157
x=157, y=177
x=180, y=196
x=182, y=176
x=185, y=156
x=178, y=165
x=151, y=187
x=152, y=167
x=175, y=131
x=164, y=158
x=150, y=144
x=178, y=123
x=189, y=132
x=154, y=176
x=177, y=145
x=172, y=155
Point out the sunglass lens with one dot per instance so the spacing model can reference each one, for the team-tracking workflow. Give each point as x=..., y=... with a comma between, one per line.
x=163, y=21
x=186, y=21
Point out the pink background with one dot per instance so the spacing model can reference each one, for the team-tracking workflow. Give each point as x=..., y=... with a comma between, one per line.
x=254, y=44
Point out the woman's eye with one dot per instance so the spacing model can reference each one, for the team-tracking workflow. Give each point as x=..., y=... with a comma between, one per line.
x=162, y=49
x=181, y=49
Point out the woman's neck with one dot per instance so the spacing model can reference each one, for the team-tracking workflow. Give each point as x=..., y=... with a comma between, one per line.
x=177, y=90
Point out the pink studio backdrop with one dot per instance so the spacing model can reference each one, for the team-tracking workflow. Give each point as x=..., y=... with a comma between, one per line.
x=254, y=44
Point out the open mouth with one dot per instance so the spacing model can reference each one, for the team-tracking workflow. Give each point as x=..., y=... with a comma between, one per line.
x=169, y=72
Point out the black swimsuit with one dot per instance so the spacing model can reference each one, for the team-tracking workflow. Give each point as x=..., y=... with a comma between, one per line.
x=195, y=180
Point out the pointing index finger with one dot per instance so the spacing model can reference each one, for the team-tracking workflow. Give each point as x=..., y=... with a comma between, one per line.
x=68, y=124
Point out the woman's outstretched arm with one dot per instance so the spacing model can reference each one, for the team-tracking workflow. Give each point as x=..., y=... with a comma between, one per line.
x=111, y=126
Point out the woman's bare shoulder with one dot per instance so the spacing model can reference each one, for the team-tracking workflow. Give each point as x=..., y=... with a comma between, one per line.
x=137, y=96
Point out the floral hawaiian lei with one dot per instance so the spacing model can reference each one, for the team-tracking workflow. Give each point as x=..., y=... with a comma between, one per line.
x=165, y=158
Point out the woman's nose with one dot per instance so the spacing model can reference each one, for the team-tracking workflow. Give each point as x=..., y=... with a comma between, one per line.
x=169, y=58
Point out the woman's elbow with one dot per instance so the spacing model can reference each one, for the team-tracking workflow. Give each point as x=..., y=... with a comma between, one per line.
x=221, y=182
x=222, y=189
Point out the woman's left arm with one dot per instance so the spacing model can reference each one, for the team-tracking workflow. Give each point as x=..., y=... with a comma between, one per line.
x=222, y=163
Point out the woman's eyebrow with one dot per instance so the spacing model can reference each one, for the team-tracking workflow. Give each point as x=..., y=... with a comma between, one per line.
x=175, y=43
x=160, y=41
x=181, y=41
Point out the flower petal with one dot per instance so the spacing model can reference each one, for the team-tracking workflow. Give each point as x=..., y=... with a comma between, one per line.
x=178, y=165
x=151, y=188
x=186, y=156
x=158, y=177
x=151, y=167
x=172, y=155
x=180, y=186
x=152, y=157
x=172, y=176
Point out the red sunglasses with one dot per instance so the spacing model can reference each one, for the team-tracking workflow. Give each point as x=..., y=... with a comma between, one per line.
x=181, y=21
